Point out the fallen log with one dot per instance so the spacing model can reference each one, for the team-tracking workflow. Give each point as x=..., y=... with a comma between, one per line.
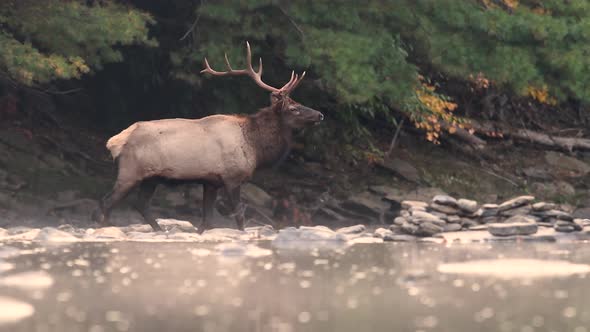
x=559, y=142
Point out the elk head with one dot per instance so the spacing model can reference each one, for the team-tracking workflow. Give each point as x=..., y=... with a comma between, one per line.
x=292, y=114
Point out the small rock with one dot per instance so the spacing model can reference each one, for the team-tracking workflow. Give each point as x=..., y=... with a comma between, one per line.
x=444, y=200
x=50, y=234
x=563, y=223
x=515, y=202
x=399, y=221
x=444, y=208
x=490, y=206
x=382, y=232
x=144, y=228
x=561, y=215
x=452, y=227
x=491, y=219
x=468, y=223
x=514, y=228
x=467, y=205
x=454, y=219
x=579, y=221
x=224, y=233
x=441, y=215
x=420, y=221
x=565, y=228
x=522, y=210
x=405, y=214
x=400, y=238
x=396, y=229
x=479, y=228
x=182, y=225
x=582, y=213
x=114, y=233
x=356, y=229
x=520, y=219
x=416, y=208
x=262, y=232
x=543, y=206
x=429, y=229
x=410, y=204
x=425, y=216
x=409, y=228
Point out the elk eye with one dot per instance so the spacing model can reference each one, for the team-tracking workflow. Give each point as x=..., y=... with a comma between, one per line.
x=295, y=111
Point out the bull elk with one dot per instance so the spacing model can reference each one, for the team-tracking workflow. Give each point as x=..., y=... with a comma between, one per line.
x=218, y=151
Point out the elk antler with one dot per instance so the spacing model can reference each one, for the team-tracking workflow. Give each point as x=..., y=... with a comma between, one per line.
x=256, y=76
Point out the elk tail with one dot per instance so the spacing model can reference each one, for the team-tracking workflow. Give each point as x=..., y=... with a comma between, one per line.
x=116, y=143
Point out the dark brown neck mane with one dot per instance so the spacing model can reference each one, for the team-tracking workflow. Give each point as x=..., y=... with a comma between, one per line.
x=269, y=136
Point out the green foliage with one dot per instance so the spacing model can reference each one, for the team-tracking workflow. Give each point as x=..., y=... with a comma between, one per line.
x=46, y=40
x=363, y=58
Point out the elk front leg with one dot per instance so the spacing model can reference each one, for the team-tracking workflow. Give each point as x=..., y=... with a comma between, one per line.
x=239, y=208
x=209, y=197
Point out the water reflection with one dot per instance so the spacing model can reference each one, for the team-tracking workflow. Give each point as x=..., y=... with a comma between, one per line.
x=367, y=287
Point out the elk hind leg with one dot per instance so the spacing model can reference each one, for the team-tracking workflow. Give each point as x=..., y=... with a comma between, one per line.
x=120, y=190
x=144, y=198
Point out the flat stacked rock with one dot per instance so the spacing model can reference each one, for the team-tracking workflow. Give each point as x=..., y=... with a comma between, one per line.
x=517, y=216
x=443, y=214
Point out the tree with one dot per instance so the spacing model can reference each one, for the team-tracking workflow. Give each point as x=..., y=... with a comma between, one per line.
x=45, y=40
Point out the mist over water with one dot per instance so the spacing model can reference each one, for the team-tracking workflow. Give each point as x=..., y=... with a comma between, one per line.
x=257, y=286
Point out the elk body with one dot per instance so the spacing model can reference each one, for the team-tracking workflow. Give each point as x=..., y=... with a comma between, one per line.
x=218, y=151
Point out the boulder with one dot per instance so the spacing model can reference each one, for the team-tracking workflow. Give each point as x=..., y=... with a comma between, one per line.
x=366, y=203
x=256, y=195
x=554, y=188
x=401, y=168
x=512, y=228
x=383, y=190
x=573, y=166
